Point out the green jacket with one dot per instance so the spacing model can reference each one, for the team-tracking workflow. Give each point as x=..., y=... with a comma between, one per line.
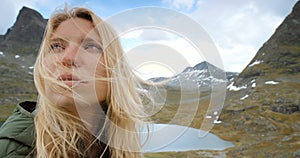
x=17, y=132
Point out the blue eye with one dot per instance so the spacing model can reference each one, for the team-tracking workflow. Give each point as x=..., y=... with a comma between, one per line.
x=92, y=48
x=57, y=47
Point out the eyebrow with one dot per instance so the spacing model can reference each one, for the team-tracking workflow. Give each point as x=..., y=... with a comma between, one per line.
x=88, y=39
x=57, y=39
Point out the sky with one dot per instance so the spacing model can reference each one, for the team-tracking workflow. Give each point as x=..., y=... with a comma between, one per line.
x=238, y=28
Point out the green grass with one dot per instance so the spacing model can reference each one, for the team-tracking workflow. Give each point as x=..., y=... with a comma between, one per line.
x=10, y=101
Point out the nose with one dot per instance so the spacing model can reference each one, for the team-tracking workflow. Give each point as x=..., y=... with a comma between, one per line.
x=69, y=56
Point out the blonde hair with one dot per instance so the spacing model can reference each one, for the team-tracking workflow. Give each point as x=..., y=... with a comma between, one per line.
x=62, y=134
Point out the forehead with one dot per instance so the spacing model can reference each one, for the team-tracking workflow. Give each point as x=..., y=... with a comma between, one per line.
x=75, y=29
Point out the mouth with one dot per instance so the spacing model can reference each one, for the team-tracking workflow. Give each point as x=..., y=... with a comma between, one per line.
x=70, y=80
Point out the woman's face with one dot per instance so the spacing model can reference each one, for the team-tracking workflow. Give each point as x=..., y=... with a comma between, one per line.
x=75, y=59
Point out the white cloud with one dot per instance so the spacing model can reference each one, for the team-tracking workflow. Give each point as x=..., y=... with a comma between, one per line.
x=9, y=10
x=180, y=46
x=154, y=69
x=239, y=28
x=154, y=35
x=190, y=54
x=180, y=4
x=132, y=34
x=234, y=57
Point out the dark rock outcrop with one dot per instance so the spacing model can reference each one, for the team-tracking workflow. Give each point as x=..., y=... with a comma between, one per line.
x=19, y=48
x=25, y=35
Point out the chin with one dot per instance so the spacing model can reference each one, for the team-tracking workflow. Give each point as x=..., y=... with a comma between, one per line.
x=62, y=100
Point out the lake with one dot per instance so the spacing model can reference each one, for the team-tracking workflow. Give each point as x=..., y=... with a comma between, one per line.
x=170, y=138
x=175, y=138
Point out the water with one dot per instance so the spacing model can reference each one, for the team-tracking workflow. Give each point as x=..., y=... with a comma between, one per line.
x=174, y=138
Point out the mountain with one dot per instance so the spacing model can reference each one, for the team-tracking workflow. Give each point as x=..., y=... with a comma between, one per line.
x=261, y=114
x=272, y=77
x=25, y=35
x=261, y=111
x=202, y=75
x=18, y=51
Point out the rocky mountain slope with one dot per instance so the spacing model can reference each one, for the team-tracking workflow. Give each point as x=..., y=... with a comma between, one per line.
x=18, y=50
x=261, y=114
x=272, y=77
x=24, y=37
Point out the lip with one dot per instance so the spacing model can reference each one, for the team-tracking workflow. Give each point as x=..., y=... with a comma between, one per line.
x=70, y=80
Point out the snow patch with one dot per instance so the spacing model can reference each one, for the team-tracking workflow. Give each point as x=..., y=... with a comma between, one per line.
x=256, y=62
x=30, y=67
x=17, y=56
x=217, y=122
x=208, y=116
x=1, y=53
x=253, y=84
x=142, y=90
x=231, y=87
x=217, y=81
x=244, y=97
x=271, y=82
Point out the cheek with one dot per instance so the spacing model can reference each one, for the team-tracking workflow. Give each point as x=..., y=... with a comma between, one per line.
x=101, y=67
x=101, y=70
x=95, y=66
x=102, y=86
x=50, y=64
x=50, y=69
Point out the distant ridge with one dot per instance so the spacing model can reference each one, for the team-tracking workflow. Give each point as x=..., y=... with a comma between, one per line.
x=202, y=75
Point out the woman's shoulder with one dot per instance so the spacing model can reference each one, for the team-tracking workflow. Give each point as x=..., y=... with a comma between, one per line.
x=17, y=132
x=20, y=122
x=27, y=108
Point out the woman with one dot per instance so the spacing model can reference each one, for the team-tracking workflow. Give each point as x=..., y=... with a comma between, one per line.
x=88, y=103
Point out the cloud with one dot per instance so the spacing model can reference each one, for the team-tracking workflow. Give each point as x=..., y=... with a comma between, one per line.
x=239, y=28
x=155, y=34
x=179, y=44
x=180, y=4
x=10, y=9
